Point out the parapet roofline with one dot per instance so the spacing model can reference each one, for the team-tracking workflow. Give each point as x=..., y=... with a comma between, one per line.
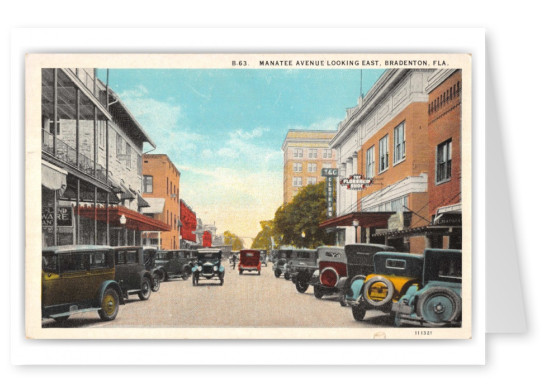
x=121, y=107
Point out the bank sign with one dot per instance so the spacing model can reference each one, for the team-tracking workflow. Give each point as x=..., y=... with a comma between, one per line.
x=356, y=182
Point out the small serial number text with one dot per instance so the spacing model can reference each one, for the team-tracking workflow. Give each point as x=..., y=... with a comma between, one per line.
x=239, y=63
x=423, y=332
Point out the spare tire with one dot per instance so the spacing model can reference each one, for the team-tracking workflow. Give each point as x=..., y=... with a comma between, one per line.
x=374, y=287
x=439, y=306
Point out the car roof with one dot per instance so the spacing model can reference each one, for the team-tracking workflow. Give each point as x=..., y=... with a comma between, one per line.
x=76, y=248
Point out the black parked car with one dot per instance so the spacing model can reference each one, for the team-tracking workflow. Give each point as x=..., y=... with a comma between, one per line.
x=359, y=258
x=280, y=259
x=174, y=263
x=149, y=254
x=208, y=266
x=131, y=273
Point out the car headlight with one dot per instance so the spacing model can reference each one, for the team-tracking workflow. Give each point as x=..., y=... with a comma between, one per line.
x=200, y=268
x=215, y=268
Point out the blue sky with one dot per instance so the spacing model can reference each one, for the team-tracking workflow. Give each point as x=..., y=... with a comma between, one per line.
x=223, y=129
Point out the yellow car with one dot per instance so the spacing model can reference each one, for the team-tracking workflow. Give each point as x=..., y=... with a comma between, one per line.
x=78, y=279
x=393, y=274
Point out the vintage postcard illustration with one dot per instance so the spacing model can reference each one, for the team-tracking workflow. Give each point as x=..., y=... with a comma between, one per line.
x=248, y=196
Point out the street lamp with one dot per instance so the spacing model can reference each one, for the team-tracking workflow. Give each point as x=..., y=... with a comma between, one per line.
x=123, y=223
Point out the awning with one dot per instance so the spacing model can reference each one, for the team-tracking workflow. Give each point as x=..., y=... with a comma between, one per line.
x=142, y=203
x=53, y=178
x=365, y=219
x=134, y=220
x=156, y=206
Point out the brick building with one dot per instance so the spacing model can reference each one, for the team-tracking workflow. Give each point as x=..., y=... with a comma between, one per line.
x=385, y=138
x=444, y=128
x=91, y=163
x=161, y=189
x=305, y=153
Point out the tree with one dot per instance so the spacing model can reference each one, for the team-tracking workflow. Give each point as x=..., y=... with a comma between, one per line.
x=297, y=223
x=263, y=239
x=233, y=240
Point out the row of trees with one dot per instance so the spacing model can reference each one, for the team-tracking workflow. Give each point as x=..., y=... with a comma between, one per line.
x=233, y=240
x=297, y=222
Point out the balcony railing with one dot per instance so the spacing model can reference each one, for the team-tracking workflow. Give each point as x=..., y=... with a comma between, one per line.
x=94, y=85
x=68, y=154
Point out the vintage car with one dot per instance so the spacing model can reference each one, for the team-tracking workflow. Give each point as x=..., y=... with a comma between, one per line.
x=149, y=254
x=330, y=275
x=263, y=258
x=280, y=258
x=131, y=272
x=208, y=266
x=301, y=262
x=173, y=263
x=249, y=260
x=79, y=278
x=394, y=273
x=436, y=301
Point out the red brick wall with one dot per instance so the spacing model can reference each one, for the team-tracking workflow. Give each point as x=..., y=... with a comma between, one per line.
x=444, y=122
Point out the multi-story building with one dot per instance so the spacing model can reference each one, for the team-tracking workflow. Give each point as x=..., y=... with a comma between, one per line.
x=161, y=189
x=444, y=179
x=188, y=220
x=305, y=153
x=401, y=146
x=91, y=163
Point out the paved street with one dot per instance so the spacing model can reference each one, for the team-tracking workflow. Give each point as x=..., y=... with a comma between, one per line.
x=248, y=300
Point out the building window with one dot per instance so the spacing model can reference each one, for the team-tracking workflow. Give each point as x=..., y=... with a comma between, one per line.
x=311, y=180
x=399, y=143
x=297, y=153
x=312, y=153
x=327, y=153
x=370, y=163
x=297, y=181
x=101, y=133
x=139, y=163
x=444, y=161
x=148, y=184
x=383, y=153
x=297, y=167
x=128, y=156
x=312, y=167
x=119, y=146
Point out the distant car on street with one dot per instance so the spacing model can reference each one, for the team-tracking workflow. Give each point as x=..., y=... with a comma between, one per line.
x=77, y=279
x=208, y=266
x=280, y=259
x=174, y=263
x=249, y=260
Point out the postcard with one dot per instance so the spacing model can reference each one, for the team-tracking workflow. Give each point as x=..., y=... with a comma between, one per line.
x=248, y=196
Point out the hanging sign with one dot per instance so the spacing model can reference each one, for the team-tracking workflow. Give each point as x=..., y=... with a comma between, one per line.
x=329, y=195
x=356, y=182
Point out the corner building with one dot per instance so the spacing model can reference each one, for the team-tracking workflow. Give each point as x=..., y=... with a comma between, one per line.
x=305, y=153
x=385, y=138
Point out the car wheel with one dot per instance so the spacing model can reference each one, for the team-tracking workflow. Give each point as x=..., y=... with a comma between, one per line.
x=240, y=271
x=318, y=293
x=164, y=276
x=156, y=285
x=301, y=285
x=439, y=306
x=61, y=319
x=145, y=291
x=374, y=288
x=259, y=272
x=221, y=281
x=358, y=312
x=194, y=280
x=109, y=305
x=277, y=273
x=287, y=276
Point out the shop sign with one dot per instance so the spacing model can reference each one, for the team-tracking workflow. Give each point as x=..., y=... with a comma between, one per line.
x=449, y=219
x=356, y=182
x=329, y=195
x=64, y=216
x=330, y=172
